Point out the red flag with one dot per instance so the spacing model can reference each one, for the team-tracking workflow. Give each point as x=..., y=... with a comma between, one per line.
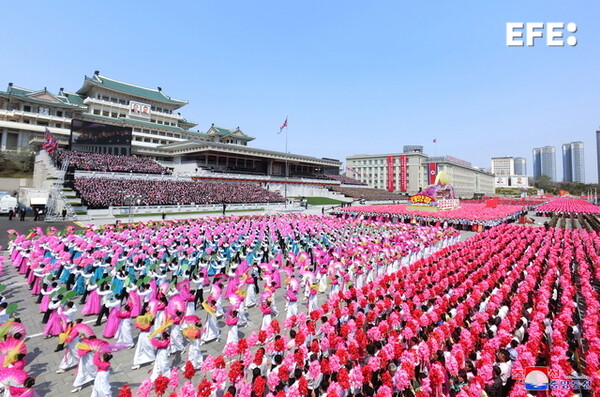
x=51, y=143
x=284, y=125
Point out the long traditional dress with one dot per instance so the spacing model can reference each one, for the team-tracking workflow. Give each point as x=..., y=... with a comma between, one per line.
x=194, y=353
x=124, y=331
x=211, y=330
x=112, y=324
x=55, y=325
x=161, y=364
x=266, y=319
x=94, y=302
x=232, y=333
x=144, y=352
x=102, y=386
x=176, y=338
x=86, y=370
x=70, y=358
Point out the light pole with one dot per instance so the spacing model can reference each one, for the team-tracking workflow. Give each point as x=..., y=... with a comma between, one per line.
x=131, y=200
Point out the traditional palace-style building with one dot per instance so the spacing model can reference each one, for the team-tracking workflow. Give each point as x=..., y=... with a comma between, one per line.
x=158, y=129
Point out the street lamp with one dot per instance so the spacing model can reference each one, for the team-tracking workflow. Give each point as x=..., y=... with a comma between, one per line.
x=131, y=200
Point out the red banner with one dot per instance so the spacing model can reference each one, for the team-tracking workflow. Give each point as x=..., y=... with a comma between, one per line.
x=390, y=173
x=403, y=176
x=432, y=173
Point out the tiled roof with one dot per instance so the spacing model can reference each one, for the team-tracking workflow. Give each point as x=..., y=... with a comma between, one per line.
x=228, y=132
x=39, y=97
x=129, y=89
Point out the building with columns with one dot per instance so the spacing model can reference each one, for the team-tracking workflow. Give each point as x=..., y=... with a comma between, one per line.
x=412, y=170
x=157, y=128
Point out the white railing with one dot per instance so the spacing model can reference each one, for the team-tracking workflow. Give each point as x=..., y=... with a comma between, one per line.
x=266, y=178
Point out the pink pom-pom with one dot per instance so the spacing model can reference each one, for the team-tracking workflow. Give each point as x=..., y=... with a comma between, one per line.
x=145, y=388
x=208, y=364
x=314, y=369
x=230, y=350
x=174, y=377
x=187, y=390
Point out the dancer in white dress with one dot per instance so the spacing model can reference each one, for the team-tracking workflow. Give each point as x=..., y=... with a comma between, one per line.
x=161, y=364
x=144, y=352
x=102, y=386
x=124, y=331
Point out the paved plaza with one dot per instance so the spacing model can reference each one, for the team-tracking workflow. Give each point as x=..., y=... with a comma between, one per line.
x=42, y=361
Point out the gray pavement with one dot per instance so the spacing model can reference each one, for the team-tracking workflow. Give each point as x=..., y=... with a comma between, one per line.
x=42, y=361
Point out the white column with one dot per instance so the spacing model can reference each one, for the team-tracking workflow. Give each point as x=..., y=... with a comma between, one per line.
x=4, y=137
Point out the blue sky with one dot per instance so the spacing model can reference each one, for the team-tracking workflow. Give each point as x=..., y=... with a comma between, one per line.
x=353, y=77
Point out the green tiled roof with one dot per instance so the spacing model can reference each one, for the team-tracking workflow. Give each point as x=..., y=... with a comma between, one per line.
x=28, y=96
x=227, y=132
x=69, y=97
x=186, y=122
x=129, y=89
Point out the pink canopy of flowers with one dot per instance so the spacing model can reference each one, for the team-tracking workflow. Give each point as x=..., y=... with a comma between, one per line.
x=472, y=212
x=570, y=205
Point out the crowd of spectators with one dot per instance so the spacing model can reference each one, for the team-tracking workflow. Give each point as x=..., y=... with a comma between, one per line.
x=346, y=180
x=368, y=194
x=102, y=193
x=109, y=162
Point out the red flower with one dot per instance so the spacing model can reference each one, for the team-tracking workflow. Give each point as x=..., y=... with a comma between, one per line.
x=205, y=388
x=258, y=357
x=160, y=385
x=242, y=345
x=259, y=386
x=235, y=371
x=279, y=345
x=173, y=394
x=262, y=336
x=303, y=386
x=343, y=378
x=220, y=362
x=189, y=370
x=275, y=326
x=284, y=373
x=125, y=391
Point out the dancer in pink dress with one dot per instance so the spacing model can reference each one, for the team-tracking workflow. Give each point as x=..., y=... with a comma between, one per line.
x=112, y=324
x=93, y=303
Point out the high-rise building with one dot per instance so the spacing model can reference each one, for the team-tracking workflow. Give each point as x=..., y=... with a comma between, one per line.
x=544, y=162
x=520, y=166
x=573, y=165
x=503, y=166
x=537, y=163
x=577, y=162
x=567, y=160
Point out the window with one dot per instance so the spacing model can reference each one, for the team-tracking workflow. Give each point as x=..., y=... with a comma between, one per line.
x=113, y=114
x=105, y=113
x=97, y=112
x=105, y=98
x=122, y=101
x=121, y=115
x=27, y=108
x=59, y=113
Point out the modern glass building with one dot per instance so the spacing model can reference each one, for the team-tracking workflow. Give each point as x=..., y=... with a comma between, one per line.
x=544, y=162
x=567, y=161
x=573, y=162
x=520, y=166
